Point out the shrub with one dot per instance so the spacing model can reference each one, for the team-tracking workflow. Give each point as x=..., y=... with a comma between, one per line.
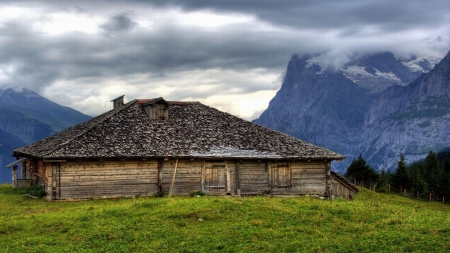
x=196, y=193
x=36, y=191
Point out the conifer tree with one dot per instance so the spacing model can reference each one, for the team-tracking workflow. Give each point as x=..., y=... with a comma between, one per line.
x=400, y=179
x=417, y=177
x=434, y=175
x=383, y=181
x=361, y=173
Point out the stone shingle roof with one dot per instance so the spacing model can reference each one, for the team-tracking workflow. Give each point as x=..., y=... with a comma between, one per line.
x=193, y=130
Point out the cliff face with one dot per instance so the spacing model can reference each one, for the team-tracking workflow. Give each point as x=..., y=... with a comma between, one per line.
x=412, y=120
x=346, y=109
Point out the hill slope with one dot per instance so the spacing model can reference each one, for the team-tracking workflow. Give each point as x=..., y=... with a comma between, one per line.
x=372, y=223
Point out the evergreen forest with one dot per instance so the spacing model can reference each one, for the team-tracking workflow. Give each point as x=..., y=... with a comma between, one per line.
x=428, y=178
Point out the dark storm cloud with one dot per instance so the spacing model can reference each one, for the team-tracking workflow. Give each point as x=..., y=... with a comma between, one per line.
x=119, y=23
x=392, y=15
x=38, y=60
x=279, y=28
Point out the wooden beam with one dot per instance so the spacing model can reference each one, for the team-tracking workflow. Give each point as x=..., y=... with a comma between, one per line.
x=54, y=161
x=269, y=171
x=327, y=179
x=228, y=183
x=238, y=185
x=14, y=176
x=49, y=189
x=16, y=162
x=173, y=178
x=160, y=175
x=203, y=175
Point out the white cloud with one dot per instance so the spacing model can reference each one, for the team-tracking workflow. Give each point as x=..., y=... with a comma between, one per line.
x=209, y=87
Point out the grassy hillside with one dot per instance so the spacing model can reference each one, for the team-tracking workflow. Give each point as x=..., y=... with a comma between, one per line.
x=372, y=223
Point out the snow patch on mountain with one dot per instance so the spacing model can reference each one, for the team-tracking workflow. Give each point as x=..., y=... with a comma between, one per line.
x=388, y=75
x=355, y=70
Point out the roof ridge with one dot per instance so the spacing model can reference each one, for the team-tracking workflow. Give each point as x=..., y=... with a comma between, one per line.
x=90, y=128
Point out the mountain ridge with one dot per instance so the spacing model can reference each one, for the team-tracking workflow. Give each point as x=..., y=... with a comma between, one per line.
x=26, y=117
x=331, y=107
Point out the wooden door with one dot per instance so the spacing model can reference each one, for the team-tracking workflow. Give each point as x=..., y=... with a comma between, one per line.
x=215, y=177
x=281, y=176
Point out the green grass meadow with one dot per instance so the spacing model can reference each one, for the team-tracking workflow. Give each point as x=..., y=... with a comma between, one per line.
x=373, y=222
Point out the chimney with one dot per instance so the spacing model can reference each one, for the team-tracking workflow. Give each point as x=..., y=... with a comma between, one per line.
x=118, y=102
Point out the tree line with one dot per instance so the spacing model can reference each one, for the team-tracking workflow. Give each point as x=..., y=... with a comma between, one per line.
x=426, y=178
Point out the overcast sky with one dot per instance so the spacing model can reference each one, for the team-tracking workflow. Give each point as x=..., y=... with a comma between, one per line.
x=228, y=54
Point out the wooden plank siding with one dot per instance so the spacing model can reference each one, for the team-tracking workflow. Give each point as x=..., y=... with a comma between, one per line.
x=339, y=190
x=188, y=177
x=298, y=178
x=253, y=177
x=81, y=180
x=99, y=179
x=308, y=178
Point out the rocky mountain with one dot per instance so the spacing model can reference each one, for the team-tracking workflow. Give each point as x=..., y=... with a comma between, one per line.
x=335, y=107
x=412, y=120
x=26, y=117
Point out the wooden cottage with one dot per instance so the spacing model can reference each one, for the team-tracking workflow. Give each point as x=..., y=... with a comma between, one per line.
x=153, y=146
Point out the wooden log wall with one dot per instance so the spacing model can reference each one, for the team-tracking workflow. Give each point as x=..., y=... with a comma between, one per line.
x=81, y=180
x=231, y=177
x=308, y=178
x=39, y=174
x=29, y=163
x=97, y=179
x=188, y=176
x=23, y=174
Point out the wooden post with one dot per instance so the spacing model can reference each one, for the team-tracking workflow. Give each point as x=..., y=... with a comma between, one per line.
x=49, y=189
x=14, y=176
x=55, y=182
x=160, y=167
x=203, y=175
x=327, y=179
x=24, y=171
x=290, y=175
x=269, y=171
x=173, y=178
x=238, y=184
x=228, y=177
x=389, y=188
x=430, y=196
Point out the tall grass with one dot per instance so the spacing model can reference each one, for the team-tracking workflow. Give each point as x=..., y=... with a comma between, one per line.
x=372, y=223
